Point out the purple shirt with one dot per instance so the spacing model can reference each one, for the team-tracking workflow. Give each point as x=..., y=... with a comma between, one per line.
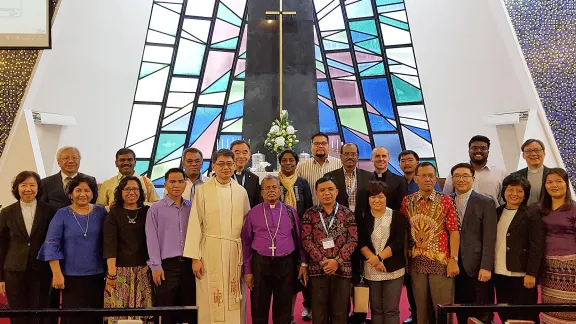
x=255, y=235
x=166, y=226
x=561, y=232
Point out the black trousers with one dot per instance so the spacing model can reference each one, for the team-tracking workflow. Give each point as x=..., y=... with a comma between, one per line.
x=27, y=290
x=179, y=288
x=410, y=295
x=306, y=297
x=469, y=290
x=54, y=302
x=83, y=292
x=274, y=278
x=511, y=290
x=331, y=298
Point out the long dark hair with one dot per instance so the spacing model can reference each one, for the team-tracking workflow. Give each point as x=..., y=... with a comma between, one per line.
x=546, y=199
x=119, y=201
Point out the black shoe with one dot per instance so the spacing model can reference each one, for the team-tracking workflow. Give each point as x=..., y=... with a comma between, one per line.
x=409, y=320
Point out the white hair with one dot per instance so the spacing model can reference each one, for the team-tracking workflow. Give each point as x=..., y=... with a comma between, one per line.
x=66, y=148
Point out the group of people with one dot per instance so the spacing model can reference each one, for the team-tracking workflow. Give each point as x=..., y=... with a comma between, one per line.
x=319, y=227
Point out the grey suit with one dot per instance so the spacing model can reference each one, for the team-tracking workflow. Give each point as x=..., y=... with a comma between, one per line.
x=477, y=244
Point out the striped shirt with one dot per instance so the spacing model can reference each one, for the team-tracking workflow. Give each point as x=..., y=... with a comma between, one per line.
x=312, y=171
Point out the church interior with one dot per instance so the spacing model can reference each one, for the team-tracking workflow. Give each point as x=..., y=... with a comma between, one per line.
x=159, y=76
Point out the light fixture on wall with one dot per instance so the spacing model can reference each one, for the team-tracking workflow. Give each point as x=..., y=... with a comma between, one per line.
x=53, y=119
x=505, y=119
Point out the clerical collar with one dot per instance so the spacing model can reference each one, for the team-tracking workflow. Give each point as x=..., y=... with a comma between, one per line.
x=272, y=206
x=380, y=175
x=239, y=172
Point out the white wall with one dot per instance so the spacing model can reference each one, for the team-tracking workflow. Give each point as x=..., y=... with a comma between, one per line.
x=91, y=74
x=470, y=66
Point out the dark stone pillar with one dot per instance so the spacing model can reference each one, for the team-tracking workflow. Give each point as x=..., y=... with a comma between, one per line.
x=262, y=73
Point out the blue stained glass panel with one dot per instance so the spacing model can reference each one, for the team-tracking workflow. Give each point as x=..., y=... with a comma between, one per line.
x=380, y=124
x=422, y=132
x=392, y=143
x=327, y=118
x=377, y=94
x=168, y=143
x=364, y=148
x=234, y=110
x=204, y=117
x=359, y=37
x=323, y=89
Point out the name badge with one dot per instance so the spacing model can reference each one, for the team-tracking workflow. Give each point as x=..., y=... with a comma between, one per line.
x=328, y=243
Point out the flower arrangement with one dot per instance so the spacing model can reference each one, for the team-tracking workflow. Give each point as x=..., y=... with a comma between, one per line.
x=282, y=135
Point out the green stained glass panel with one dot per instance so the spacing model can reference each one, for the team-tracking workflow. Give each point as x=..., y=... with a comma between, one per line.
x=227, y=15
x=167, y=143
x=405, y=92
x=237, y=92
x=364, y=26
x=393, y=22
x=373, y=45
x=378, y=69
x=360, y=9
x=141, y=167
x=339, y=37
x=236, y=127
x=387, y=2
x=189, y=58
x=160, y=170
x=149, y=68
x=353, y=118
x=320, y=66
x=227, y=44
x=218, y=86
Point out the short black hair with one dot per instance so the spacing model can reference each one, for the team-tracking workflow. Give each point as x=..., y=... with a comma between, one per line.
x=408, y=152
x=377, y=187
x=281, y=155
x=238, y=142
x=530, y=141
x=119, y=201
x=464, y=166
x=479, y=138
x=222, y=152
x=76, y=181
x=123, y=151
x=319, y=134
x=192, y=150
x=424, y=164
x=174, y=170
x=21, y=177
x=323, y=179
x=349, y=143
x=516, y=180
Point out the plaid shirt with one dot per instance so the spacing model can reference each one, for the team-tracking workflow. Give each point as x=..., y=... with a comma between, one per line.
x=351, y=188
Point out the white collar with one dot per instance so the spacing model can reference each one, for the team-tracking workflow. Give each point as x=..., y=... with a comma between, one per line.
x=31, y=205
x=64, y=176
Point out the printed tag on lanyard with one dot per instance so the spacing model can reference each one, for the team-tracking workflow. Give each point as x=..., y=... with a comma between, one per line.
x=328, y=243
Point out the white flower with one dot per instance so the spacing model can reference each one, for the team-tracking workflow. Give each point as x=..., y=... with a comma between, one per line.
x=280, y=141
x=284, y=112
x=290, y=130
x=274, y=129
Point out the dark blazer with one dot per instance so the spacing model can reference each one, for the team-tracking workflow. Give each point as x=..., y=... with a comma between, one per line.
x=53, y=191
x=396, y=241
x=478, y=234
x=524, y=173
x=252, y=186
x=18, y=250
x=525, y=241
x=363, y=178
x=303, y=195
x=397, y=188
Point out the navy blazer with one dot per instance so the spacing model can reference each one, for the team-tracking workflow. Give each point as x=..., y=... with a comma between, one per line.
x=53, y=190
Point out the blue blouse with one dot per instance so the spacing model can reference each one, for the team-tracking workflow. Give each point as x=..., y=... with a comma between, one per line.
x=80, y=255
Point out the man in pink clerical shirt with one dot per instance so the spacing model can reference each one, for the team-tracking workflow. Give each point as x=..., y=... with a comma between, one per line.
x=274, y=259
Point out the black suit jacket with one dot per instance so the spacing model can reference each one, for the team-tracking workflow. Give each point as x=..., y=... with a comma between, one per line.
x=397, y=189
x=53, y=191
x=18, y=250
x=252, y=186
x=524, y=173
x=363, y=178
x=478, y=234
x=525, y=241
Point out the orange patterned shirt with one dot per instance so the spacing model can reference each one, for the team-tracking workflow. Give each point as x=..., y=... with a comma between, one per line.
x=431, y=220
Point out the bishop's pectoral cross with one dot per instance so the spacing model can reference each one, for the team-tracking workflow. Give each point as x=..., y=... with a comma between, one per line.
x=272, y=15
x=273, y=248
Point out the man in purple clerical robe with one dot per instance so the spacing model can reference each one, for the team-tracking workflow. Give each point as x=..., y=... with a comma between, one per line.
x=273, y=257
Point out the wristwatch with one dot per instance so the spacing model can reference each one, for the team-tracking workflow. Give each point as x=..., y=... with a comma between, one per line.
x=303, y=264
x=454, y=258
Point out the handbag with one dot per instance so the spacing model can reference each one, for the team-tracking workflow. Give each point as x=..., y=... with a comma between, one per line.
x=361, y=297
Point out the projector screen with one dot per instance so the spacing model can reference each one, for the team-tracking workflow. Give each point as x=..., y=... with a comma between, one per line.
x=24, y=24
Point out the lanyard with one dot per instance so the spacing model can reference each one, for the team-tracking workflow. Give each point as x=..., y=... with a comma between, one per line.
x=350, y=190
x=331, y=220
x=243, y=179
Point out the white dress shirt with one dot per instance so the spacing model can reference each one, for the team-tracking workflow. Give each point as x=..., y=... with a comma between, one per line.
x=28, y=212
x=311, y=171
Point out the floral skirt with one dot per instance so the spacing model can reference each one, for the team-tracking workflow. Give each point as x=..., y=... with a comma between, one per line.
x=133, y=290
x=559, y=287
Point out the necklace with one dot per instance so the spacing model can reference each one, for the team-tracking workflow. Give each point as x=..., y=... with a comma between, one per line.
x=130, y=219
x=85, y=231
x=273, y=238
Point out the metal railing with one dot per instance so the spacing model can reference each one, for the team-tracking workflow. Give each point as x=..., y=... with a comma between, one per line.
x=472, y=310
x=154, y=312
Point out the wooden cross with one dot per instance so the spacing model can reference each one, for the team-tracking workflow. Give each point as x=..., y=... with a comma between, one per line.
x=281, y=13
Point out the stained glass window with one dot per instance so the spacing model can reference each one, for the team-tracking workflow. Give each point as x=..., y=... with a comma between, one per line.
x=190, y=88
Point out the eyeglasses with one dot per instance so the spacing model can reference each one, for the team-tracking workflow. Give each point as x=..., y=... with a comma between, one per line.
x=426, y=176
x=194, y=161
x=320, y=143
x=223, y=164
x=533, y=151
x=349, y=153
x=270, y=188
x=131, y=190
x=480, y=148
x=463, y=176
x=68, y=158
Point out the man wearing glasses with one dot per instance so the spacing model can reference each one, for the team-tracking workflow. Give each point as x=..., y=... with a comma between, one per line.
x=533, y=151
x=312, y=170
x=434, y=243
x=192, y=160
x=488, y=181
x=125, y=162
x=213, y=243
